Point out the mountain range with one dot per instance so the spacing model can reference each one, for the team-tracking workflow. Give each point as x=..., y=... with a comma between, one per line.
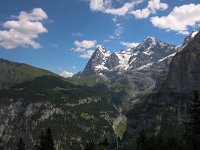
x=134, y=71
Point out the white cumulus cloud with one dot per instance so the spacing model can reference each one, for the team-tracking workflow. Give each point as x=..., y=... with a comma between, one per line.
x=85, y=43
x=98, y=5
x=155, y=5
x=129, y=44
x=66, y=74
x=179, y=19
x=141, y=13
x=84, y=47
x=23, y=30
x=37, y=14
x=124, y=8
x=152, y=7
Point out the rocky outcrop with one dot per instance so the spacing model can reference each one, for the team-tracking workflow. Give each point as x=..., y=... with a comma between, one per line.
x=184, y=72
x=112, y=62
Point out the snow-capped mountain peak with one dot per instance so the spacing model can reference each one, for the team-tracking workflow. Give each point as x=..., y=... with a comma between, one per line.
x=102, y=51
x=150, y=39
x=101, y=48
x=150, y=51
x=194, y=33
x=148, y=43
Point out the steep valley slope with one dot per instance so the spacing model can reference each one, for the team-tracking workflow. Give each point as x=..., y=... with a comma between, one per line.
x=164, y=112
x=75, y=113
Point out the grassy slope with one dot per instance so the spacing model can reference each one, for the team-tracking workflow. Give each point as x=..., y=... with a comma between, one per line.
x=12, y=73
x=86, y=80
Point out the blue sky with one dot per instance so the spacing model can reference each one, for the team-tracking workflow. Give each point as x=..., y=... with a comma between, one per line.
x=60, y=35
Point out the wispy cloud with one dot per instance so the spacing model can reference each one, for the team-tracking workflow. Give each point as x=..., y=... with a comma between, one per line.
x=54, y=45
x=179, y=19
x=23, y=30
x=129, y=44
x=105, y=6
x=77, y=34
x=120, y=11
x=119, y=30
x=106, y=41
x=152, y=7
x=87, y=54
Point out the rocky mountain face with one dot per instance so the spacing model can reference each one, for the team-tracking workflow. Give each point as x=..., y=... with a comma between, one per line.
x=133, y=71
x=165, y=111
x=138, y=70
x=143, y=56
x=184, y=72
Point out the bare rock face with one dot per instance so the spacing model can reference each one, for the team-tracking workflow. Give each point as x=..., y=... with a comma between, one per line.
x=152, y=50
x=112, y=61
x=184, y=72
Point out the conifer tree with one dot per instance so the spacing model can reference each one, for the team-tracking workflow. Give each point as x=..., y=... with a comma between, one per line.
x=141, y=140
x=192, y=123
x=104, y=142
x=20, y=145
x=42, y=144
x=49, y=139
x=46, y=141
x=90, y=146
